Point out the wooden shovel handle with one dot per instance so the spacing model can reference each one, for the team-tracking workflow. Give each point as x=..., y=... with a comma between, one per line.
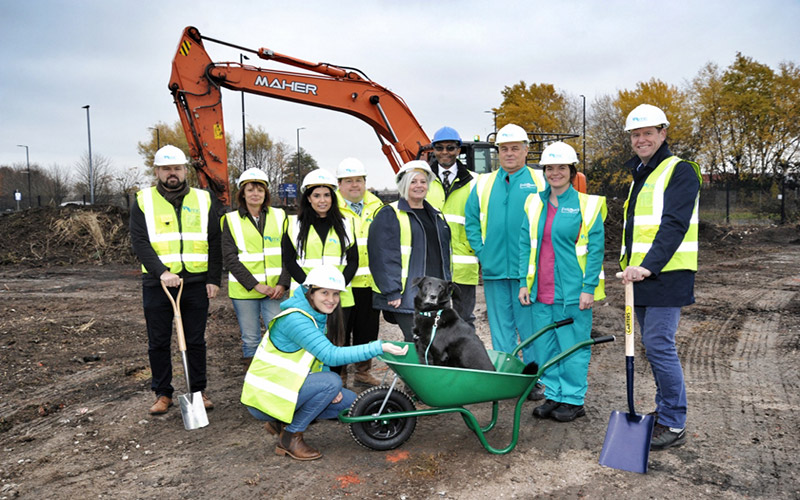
x=176, y=309
x=629, y=344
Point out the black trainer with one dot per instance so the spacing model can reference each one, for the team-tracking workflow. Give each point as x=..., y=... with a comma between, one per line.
x=545, y=409
x=567, y=412
x=666, y=437
x=537, y=392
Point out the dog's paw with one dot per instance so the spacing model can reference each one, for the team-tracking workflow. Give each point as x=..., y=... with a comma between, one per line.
x=531, y=368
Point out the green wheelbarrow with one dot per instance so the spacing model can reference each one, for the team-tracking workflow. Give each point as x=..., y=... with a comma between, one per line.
x=384, y=417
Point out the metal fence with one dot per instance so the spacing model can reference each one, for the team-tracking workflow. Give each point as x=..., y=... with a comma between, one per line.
x=749, y=205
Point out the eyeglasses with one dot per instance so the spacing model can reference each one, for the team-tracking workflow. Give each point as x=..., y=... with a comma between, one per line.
x=449, y=148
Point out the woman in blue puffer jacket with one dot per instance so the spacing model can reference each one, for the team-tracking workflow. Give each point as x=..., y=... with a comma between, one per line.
x=289, y=384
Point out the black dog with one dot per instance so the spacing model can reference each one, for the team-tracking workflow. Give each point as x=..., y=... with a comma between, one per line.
x=454, y=342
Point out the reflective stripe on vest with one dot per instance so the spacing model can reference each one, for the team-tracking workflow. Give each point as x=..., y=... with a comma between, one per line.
x=317, y=253
x=465, y=263
x=274, y=378
x=260, y=254
x=484, y=191
x=371, y=204
x=179, y=244
x=647, y=220
x=405, y=245
x=591, y=207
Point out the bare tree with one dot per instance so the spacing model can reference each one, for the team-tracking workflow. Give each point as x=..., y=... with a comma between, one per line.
x=101, y=171
x=57, y=186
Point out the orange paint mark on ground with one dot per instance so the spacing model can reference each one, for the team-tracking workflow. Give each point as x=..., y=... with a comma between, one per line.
x=347, y=480
x=397, y=456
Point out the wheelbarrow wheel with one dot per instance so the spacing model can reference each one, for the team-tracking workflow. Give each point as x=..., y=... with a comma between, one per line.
x=382, y=434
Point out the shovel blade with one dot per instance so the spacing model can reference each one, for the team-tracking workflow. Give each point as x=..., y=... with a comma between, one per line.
x=193, y=411
x=627, y=443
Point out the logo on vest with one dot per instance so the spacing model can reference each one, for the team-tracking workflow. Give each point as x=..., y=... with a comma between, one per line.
x=191, y=210
x=528, y=185
x=568, y=210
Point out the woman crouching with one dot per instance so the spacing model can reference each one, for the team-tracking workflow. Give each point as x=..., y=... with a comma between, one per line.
x=289, y=384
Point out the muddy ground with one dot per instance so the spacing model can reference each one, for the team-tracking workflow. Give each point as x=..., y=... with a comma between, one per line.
x=74, y=394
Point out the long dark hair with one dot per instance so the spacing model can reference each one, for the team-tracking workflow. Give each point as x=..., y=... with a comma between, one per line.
x=307, y=215
x=335, y=320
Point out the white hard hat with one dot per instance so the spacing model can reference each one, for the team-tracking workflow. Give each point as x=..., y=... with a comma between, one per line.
x=169, y=155
x=318, y=177
x=415, y=165
x=351, y=167
x=559, y=153
x=645, y=115
x=511, y=133
x=326, y=276
x=252, y=175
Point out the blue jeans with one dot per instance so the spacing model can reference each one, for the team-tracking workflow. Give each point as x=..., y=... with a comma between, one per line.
x=314, y=401
x=250, y=313
x=659, y=325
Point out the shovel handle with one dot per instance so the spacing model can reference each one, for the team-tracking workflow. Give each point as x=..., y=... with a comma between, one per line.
x=629, y=344
x=176, y=310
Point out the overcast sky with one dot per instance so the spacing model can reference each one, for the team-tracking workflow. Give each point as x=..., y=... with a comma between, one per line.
x=448, y=60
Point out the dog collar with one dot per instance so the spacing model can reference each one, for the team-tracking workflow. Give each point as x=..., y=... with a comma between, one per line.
x=436, y=316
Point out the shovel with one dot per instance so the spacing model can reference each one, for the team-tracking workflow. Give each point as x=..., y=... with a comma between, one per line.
x=192, y=409
x=627, y=443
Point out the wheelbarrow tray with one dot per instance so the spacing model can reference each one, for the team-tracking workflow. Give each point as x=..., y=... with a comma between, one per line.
x=447, y=386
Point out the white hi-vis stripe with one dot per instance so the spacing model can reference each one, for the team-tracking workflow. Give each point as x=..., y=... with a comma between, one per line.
x=251, y=257
x=298, y=368
x=191, y=257
x=686, y=246
x=150, y=221
x=581, y=250
x=362, y=242
x=326, y=259
x=271, y=271
x=362, y=271
x=465, y=259
x=405, y=249
x=238, y=236
x=455, y=219
x=271, y=388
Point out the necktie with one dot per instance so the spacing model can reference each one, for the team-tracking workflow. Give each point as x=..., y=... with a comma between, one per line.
x=357, y=208
x=446, y=181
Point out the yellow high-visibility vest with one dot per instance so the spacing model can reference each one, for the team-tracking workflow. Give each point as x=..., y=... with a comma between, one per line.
x=259, y=253
x=647, y=220
x=591, y=207
x=361, y=223
x=179, y=244
x=317, y=253
x=274, y=378
x=484, y=191
x=465, y=262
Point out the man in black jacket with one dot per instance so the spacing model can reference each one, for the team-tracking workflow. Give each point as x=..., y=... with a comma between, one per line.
x=175, y=234
x=659, y=255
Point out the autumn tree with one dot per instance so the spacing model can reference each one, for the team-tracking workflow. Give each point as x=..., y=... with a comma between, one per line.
x=263, y=153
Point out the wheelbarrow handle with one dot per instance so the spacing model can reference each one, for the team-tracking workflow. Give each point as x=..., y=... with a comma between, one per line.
x=176, y=309
x=604, y=339
x=557, y=324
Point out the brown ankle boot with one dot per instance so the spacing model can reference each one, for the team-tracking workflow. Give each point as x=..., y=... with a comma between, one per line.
x=292, y=444
x=246, y=363
x=363, y=376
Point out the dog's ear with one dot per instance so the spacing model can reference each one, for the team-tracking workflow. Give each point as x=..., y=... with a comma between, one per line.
x=417, y=280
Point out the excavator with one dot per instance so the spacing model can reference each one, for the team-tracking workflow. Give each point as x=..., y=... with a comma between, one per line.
x=196, y=84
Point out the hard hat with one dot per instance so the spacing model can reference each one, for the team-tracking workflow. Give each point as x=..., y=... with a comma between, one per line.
x=351, y=167
x=318, y=177
x=326, y=276
x=446, y=134
x=559, y=153
x=645, y=115
x=511, y=133
x=252, y=175
x=415, y=165
x=169, y=155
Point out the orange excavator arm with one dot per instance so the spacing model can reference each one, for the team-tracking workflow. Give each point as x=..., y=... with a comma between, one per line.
x=196, y=81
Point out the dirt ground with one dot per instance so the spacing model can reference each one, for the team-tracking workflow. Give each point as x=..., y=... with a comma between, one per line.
x=74, y=394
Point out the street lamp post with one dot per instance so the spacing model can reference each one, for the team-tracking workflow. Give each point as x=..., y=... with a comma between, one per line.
x=91, y=174
x=158, y=137
x=242, y=57
x=495, y=118
x=584, y=134
x=28, y=162
x=298, y=159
